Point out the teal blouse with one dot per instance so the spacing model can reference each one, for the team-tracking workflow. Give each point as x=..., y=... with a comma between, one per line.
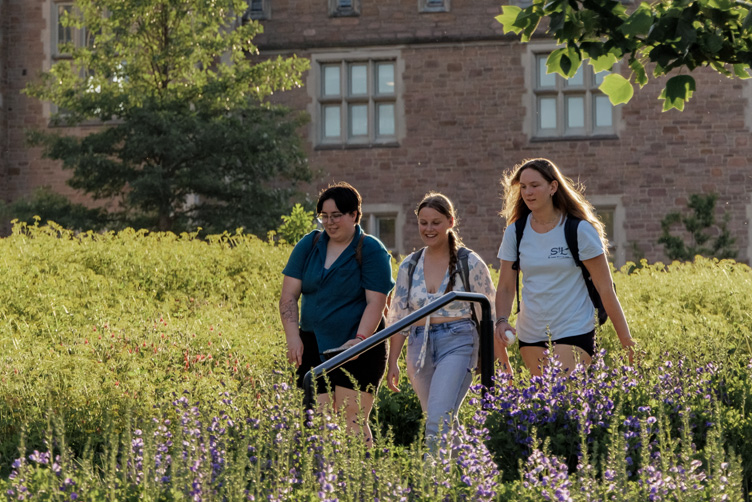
x=333, y=300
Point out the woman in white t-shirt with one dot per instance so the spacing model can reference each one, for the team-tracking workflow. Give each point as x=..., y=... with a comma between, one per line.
x=555, y=301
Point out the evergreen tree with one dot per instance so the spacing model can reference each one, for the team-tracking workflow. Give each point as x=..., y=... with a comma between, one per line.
x=188, y=137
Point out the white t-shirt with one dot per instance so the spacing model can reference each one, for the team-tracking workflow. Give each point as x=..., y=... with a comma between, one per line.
x=554, y=294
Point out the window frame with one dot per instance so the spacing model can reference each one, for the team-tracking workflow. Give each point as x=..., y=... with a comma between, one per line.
x=432, y=6
x=337, y=9
x=78, y=35
x=344, y=100
x=561, y=91
x=373, y=211
x=618, y=241
x=264, y=14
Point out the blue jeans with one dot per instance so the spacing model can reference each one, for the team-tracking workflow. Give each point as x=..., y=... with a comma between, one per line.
x=443, y=379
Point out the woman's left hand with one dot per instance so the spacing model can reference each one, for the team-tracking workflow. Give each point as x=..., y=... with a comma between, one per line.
x=351, y=343
x=630, y=347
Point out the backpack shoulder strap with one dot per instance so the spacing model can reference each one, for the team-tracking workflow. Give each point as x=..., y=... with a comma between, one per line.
x=359, y=250
x=519, y=229
x=316, y=239
x=464, y=268
x=411, y=268
x=570, y=234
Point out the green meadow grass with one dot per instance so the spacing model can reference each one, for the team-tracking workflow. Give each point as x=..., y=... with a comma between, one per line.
x=100, y=333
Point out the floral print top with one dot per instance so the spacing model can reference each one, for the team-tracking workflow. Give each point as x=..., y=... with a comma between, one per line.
x=401, y=306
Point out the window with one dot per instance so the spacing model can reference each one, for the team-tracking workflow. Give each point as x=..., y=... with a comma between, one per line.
x=570, y=107
x=258, y=9
x=66, y=38
x=611, y=212
x=385, y=221
x=433, y=5
x=357, y=101
x=344, y=8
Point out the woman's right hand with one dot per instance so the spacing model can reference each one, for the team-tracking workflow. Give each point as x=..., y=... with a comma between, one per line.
x=500, y=333
x=392, y=377
x=295, y=350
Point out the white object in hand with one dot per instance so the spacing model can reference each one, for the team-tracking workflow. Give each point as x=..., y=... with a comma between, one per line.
x=509, y=336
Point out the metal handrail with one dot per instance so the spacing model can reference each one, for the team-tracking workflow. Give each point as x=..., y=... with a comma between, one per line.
x=486, y=340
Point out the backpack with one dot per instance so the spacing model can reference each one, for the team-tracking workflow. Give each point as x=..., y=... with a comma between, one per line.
x=570, y=234
x=462, y=268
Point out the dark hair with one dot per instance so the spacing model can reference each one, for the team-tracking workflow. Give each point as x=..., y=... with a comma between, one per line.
x=441, y=203
x=568, y=198
x=345, y=197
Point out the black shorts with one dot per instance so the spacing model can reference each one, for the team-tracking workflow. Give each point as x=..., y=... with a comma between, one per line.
x=586, y=342
x=366, y=371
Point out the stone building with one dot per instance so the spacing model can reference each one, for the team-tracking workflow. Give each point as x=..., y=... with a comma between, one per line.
x=411, y=96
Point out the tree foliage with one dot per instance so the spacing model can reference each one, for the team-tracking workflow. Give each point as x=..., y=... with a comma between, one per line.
x=663, y=37
x=296, y=225
x=696, y=224
x=189, y=138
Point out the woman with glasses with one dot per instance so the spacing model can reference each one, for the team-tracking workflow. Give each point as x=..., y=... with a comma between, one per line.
x=555, y=299
x=442, y=349
x=342, y=277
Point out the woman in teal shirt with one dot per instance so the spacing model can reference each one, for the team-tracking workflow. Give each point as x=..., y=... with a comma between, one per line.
x=344, y=277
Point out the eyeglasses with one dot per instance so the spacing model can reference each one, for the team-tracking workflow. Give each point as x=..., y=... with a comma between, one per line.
x=325, y=218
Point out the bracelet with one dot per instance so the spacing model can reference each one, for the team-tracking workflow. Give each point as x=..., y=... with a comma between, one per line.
x=501, y=320
x=360, y=337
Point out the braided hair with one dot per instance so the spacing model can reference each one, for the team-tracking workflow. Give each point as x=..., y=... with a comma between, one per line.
x=441, y=203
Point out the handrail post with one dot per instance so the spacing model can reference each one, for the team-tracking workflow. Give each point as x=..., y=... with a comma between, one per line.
x=308, y=391
x=486, y=348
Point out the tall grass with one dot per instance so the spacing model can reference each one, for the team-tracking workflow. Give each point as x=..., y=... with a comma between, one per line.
x=145, y=365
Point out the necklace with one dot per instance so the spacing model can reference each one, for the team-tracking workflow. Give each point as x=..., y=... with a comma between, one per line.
x=549, y=223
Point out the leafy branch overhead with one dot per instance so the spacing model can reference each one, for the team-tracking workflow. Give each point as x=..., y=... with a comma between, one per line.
x=665, y=36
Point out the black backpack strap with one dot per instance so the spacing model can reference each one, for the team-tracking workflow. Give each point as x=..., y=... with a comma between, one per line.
x=464, y=271
x=411, y=268
x=519, y=229
x=570, y=234
x=359, y=250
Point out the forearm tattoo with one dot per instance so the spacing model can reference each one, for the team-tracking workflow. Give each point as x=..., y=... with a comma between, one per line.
x=288, y=310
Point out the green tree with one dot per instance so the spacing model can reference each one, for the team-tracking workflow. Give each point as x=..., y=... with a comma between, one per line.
x=696, y=224
x=188, y=137
x=663, y=36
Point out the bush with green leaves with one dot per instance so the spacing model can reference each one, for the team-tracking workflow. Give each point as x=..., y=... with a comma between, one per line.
x=45, y=205
x=295, y=225
x=697, y=225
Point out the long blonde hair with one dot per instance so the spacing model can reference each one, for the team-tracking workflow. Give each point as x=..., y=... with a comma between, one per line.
x=444, y=206
x=569, y=197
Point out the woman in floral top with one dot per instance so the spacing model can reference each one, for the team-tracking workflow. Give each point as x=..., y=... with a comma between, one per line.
x=442, y=349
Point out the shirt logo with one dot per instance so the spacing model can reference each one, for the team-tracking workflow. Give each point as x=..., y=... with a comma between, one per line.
x=558, y=252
